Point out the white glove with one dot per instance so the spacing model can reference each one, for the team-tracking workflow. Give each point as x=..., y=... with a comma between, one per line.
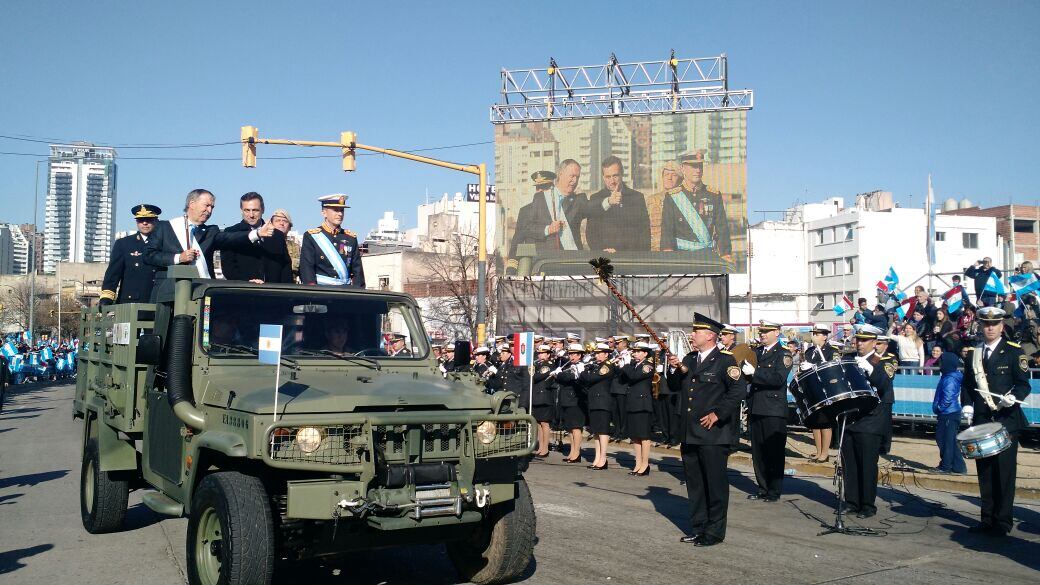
x=443, y=368
x=556, y=372
x=968, y=412
x=1007, y=400
x=492, y=370
x=804, y=366
x=864, y=365
x=747, y=368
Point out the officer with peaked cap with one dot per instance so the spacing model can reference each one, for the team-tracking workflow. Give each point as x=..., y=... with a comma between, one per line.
x=767, y=411
x=330, y=255
x=710, y=387
x=1001, y=367
x=127, y=271
x=819, y=351
x=597, y=379
x=398, y=346
x=866, y=437
x=695, y=219
x=638, y=376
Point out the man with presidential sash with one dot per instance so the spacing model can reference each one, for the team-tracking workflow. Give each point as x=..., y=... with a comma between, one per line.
x=694, y=217
x=329, y=254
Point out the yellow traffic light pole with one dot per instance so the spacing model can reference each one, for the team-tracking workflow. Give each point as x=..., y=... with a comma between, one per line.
x=348, y=145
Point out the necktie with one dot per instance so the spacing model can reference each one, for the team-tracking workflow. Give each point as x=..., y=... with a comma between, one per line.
x=194, y=232
x=985, y=355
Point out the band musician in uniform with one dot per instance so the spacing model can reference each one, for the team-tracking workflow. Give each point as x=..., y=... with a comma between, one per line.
x=767, y=411
x=710, y=388
x=543, y=390
x=330, y=254
x=1000, y=367
x=127, y=271
x=867, y=437
x=638, y=375
x=570, y=387
x=818, y=352
x=597, y=379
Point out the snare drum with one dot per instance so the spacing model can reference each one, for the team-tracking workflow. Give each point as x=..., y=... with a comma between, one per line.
x=985, y=440
x=831, y=389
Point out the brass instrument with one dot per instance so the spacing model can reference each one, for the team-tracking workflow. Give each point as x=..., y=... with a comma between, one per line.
x=604, y=270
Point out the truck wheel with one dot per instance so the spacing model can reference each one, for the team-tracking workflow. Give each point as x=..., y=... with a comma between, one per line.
x=501, y=548
x=102, y=495
x=230, y=532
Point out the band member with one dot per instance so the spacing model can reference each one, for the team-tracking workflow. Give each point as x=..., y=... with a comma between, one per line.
x=189, y=240
x=485, y=370
x=543, y=390
x=397, y=346
x=572, y=417
x=866, y=438
x=767, y=411
x=330, y=254
x=127, y=271
x=514, y=378
x=710, y=388
x=617, y=215
x=597, y=379
x=818, y=352
x=619, y=388
x=638, y=376
x=695, y=218
x=999, y=367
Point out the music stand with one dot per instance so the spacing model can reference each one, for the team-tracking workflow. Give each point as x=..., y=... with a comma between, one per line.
x=839, y=526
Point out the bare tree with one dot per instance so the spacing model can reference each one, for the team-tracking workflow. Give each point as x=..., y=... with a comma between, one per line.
x=16, y=299
x=446, y=287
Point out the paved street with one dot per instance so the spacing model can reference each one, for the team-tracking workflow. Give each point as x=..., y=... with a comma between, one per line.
x=593, y=527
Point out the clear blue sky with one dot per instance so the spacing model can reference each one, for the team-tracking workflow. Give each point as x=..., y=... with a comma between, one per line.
x=849, y=97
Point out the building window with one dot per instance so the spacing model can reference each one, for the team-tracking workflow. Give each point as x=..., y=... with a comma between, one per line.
x=384, y=283
x=1024, y=226
x=850, y=266
x=819, y=237
x=850, y=232
x=940, y=236
x=971, y=240
x=819, y=269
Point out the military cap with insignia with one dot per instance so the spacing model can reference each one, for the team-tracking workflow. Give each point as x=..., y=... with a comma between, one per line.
x=990, y=314
x=575, y=348
x=693, y=158
x=505, y=347
x=397, y=336
x=818, y=328
x=544, y=348
x=335, y=201
x=701, y=321
x=602, y=347
x=571, y=336
x=145, y=211
x=765, y=325
x=728, y=329
x=640, y=346
x=482, y=350
x=543, y=177
x=867, y=331
x=622, y=338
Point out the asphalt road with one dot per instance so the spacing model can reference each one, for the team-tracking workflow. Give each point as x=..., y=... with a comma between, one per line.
x=593, y=527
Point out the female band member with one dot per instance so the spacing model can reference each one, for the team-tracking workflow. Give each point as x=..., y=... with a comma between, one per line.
x=638, y=375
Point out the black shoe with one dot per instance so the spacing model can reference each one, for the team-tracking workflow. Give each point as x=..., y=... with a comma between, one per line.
x=756, y=496
x=866, y=514
x=707, y=541
x=851, y=508
x=566, y=460
x=643, y=473
x=691, y=538
x=596, y=467
x=771, y=498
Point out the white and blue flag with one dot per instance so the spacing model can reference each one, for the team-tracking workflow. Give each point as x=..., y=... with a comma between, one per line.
x=523, y=348
x=270, y=345
x=995, y=285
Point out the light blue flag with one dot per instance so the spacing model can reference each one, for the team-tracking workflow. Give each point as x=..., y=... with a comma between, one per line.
x=995, y=285
x=270, y=344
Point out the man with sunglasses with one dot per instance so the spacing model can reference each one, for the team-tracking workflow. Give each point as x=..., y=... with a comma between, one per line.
x=127, y=271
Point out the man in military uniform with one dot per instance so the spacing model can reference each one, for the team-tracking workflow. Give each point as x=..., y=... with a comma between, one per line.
x=330, y=254
x=397, y=346
x=999, y=367
x=533, y=218
x=127, y=271
x=710, y=388
x=695, y=218
x=868, y=436
x=767, y=411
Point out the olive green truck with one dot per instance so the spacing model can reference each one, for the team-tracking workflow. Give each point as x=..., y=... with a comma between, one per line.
x=358, y=449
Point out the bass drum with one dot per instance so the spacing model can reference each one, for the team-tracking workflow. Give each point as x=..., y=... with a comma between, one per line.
x=831, y=389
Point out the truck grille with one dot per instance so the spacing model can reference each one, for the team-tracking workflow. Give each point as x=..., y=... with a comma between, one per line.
x=340, y=445
x=443, y=438
x=510, y=436
x=438, y=441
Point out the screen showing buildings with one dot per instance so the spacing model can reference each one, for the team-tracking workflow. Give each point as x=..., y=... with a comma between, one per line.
x=658, y=194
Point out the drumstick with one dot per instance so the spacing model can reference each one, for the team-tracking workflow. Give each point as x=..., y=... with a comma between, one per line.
x=998, y=396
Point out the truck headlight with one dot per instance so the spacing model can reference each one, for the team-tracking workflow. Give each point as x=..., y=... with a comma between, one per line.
x=308, y=439
x=486, y=432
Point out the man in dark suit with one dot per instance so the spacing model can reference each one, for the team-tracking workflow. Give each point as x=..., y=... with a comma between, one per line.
x=1002, y=368
x=617, y=215
x=188, y=240
x=710, y=387
x=767, y=411
x=267, y=262
x=553, y=219
x=695, y=218
x=127, y=271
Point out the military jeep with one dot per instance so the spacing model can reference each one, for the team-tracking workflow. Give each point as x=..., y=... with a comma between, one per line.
x=358, y=449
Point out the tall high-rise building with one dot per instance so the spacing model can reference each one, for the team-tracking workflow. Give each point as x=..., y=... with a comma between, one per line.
x=34, y=239
x=81, y=198
x=18, y=250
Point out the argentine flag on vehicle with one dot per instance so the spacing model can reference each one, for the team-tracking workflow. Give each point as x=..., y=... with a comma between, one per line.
x=270, y=344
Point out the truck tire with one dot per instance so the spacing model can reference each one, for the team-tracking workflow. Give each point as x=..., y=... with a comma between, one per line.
x=103, y=495
x=230, y=532
x=502, y=547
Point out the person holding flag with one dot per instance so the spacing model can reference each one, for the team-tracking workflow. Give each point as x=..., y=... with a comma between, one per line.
x=987, y=281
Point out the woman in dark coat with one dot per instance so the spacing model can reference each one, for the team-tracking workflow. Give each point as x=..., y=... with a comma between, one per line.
x=638, y=374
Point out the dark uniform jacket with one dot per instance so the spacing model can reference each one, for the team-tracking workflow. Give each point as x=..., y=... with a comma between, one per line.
x=1006, y=371
x=313, y=261
x=714, y=385
x=819, y=355
x=544, y=387
x=533, y=218
x=597, y=379
x=879, y=420
x=638, y=376
x=492, y=383
x=514, y=379
x=570, y=387
x=624, y=227
x=620, y=386
x=128, y=273
x=768, y=396
x=163, y=245
x=708, y=204
x=269, y=261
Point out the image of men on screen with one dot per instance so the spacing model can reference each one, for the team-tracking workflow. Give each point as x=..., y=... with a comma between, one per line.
x=552, y=220
x=617, y=219
x=694, y=219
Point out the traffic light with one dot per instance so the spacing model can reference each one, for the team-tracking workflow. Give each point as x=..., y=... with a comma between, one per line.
x=349, y=163
x=249, y=136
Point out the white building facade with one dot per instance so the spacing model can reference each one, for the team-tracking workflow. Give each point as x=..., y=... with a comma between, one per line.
x=80, y=204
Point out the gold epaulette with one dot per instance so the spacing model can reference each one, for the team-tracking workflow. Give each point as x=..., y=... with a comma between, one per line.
x=350, y=233
x=969, y=348
x=316, y=230
x=1013, y=344
x=726, y=351
x=888, y=356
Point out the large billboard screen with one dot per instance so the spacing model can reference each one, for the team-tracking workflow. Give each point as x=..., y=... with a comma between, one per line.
x=659, y=194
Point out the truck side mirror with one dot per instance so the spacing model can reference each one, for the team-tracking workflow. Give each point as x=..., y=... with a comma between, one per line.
x=462, y=355
x=149, y=349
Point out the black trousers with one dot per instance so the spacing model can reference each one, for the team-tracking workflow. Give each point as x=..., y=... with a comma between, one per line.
x=618, y=415
x=859, y=453
x=664, y=415
x=768, y=443
x=997, y=487
x=707, y=486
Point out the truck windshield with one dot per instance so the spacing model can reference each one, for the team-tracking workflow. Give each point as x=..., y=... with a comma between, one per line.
x=314, y=325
